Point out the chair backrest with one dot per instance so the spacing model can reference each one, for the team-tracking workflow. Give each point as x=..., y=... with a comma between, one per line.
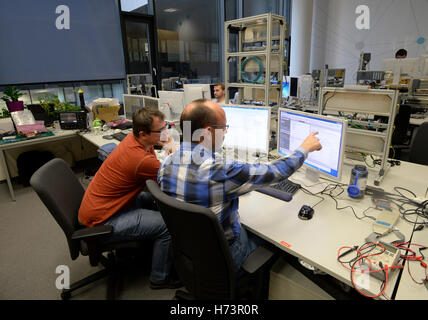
x=61, y=192
x=201, y=254
x=401, y=122
x=419, y=149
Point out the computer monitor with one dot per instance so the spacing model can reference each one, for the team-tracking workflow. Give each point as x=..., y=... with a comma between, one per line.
x=167, y=84
x=249, y=128
x=295, y=126
x=171, y=103
x=423, y=66
x=151, y=103
x=306, y=84
x=285, y=89
x=408, y=67
x=294, y=84
x=132, y=103
x=196, y=91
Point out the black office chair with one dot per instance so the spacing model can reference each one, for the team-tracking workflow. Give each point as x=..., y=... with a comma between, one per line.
x=400, y=139
x=62, y=193
x=418, y=150
x=401, y=123
x=202, y=256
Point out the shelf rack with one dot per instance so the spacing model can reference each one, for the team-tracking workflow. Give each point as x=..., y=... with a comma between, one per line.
x=363, y=136
x=260, y=37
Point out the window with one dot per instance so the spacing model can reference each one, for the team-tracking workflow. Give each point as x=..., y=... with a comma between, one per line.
x=256, y=7
x=69, y=91
x=137, y=6
x=231, y=9
x=188, y=39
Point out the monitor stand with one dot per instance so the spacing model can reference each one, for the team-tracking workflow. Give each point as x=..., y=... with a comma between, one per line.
x=312, y=175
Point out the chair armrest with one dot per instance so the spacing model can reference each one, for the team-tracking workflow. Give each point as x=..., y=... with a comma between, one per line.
x=91, y=233
x=257, y=259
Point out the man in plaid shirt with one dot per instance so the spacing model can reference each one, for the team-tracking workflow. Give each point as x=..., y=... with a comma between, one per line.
x=197, y=174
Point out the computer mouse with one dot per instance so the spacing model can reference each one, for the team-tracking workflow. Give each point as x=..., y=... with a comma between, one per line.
x=306, y=212
x=108, y=137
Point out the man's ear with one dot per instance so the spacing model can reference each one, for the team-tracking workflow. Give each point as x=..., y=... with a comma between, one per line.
x=206, y=133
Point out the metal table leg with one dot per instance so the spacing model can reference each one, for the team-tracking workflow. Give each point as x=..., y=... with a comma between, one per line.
x=6, y=173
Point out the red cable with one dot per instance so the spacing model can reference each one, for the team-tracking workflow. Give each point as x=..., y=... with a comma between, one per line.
x=361, y=258
x=413, y=257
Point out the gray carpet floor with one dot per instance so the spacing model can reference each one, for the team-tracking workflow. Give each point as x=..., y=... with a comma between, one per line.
x=33, y=245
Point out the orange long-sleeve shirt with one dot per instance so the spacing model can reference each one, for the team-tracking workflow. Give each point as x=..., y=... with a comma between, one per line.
x=119, y=180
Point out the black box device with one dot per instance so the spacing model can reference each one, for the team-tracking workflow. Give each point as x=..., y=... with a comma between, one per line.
x=72, y=120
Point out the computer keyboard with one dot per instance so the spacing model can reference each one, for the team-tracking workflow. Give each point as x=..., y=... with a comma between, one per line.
x=283, y=190
x=119, y=136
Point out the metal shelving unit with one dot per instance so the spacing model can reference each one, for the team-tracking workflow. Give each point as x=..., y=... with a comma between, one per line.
x=363, y=136
x=261, y=39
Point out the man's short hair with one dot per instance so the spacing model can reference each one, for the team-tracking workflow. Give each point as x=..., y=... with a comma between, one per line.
x=221, y=84
x=142, y=120
x=401, y=53
x=200, y=116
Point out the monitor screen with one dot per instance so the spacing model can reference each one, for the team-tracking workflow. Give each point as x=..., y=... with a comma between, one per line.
x=404, y=67
x=295, y=126
x=285, y=89
x=67, y=117
x=293, y=86
x=131, y=103
x=151, y=103
x=171, y=103
x=196, y=91
x=249, y=127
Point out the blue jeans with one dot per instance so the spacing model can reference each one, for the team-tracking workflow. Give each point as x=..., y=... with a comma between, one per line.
x=142, y=222
x=242, y=247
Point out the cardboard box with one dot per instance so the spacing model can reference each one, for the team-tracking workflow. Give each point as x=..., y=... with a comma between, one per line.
x=107, y=114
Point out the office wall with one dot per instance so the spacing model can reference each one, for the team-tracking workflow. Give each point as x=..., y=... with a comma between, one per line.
x=394, y=24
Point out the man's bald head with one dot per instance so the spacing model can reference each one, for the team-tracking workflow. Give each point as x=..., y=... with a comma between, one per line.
x=201, y=113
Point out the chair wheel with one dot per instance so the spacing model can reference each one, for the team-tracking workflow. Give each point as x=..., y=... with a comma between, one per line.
x=65, y=295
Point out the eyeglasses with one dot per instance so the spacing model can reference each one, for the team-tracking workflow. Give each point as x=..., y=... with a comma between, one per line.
x=159, y=131
x=224, y=126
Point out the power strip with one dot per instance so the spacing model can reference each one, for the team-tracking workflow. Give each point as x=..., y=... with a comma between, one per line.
x=389, y=258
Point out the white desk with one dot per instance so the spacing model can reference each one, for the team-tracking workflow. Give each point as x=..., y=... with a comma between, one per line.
x=58, y=135
x=317, y=241
x=408, y=289
x=98, y=140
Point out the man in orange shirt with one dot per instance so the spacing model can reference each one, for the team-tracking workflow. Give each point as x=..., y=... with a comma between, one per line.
x=115, y=197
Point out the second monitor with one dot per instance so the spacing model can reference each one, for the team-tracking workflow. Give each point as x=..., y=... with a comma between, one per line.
x=295, y=126
x=249, y=128
x=196, y=91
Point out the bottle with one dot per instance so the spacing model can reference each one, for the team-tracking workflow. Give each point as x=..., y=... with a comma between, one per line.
x=358, y=182
x=82, y=100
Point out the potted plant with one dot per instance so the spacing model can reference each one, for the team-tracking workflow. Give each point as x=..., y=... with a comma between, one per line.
x=11, y=96
x=4, y=113
x=52, y=105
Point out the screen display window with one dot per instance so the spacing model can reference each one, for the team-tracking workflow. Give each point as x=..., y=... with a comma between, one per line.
x=294, y=128
x=249, y=128
x=68, y=117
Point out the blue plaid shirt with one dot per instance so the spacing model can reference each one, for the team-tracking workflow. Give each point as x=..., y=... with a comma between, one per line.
x=196, y=175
